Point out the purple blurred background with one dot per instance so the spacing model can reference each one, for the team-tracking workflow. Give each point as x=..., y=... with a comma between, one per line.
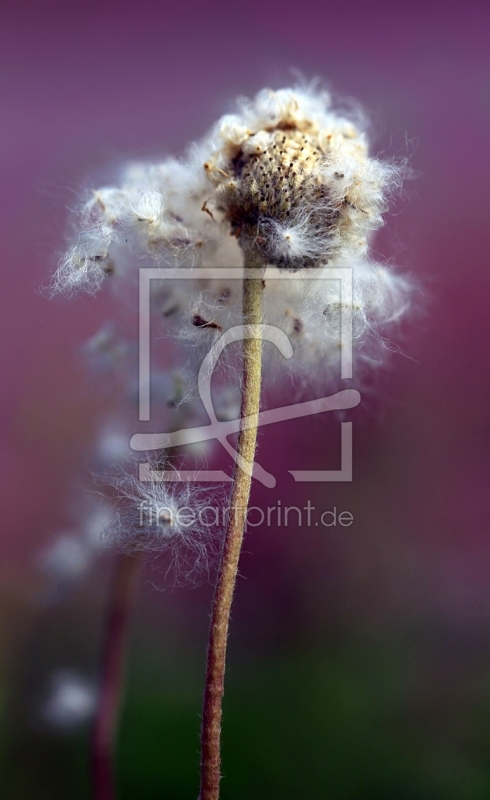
x=84, y=85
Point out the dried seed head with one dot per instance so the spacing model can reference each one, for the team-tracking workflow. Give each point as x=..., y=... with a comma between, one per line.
x=287, y=174
x=277, y=188
x=294, y=179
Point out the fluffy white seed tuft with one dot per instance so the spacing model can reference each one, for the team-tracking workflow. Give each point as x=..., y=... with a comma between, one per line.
x=287, y=174
x=71, y=701
x=67, y=558
x=156, y=516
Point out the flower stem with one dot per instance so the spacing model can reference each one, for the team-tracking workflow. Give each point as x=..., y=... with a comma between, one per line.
x=123, y=586
x=215, y=671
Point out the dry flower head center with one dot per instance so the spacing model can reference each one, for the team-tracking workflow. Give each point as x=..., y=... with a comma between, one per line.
x=276, y=188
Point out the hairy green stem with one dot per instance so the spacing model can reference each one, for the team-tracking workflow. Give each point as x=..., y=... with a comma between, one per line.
x=218, y=634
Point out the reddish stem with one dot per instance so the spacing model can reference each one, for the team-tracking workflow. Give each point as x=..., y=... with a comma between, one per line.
x=123, y=585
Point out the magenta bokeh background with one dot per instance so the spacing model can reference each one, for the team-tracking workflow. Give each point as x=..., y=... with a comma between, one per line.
x=83, y=85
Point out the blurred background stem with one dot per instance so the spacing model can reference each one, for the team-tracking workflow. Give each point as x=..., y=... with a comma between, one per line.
x=125, y=573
